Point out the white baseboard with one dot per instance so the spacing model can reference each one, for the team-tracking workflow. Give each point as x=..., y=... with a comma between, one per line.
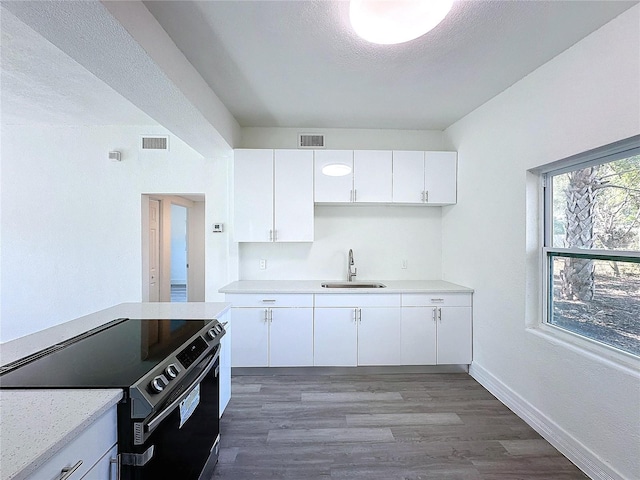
x=571, y=448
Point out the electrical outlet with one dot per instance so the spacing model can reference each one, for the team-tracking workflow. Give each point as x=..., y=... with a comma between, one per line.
x=404, y=264
x=263, y=264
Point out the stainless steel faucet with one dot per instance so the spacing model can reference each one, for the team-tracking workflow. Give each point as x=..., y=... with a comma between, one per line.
x=351, y=274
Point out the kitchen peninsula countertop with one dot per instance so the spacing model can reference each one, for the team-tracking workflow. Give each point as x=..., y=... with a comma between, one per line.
x=35, y=424
x=315, y=286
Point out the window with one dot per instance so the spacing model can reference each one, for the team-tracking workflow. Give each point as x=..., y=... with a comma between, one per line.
x=592, y=245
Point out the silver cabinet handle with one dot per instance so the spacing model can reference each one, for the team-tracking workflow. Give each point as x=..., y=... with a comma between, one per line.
x=266, y=314
x=268, y=300
x=271, y=235
x=360, y=314
x=68, y=471
x=271, y=315
x=440, y=314
x=355, y=195
x=426, y=196
x=433, y=314
x=423, y=200
x=355, y=314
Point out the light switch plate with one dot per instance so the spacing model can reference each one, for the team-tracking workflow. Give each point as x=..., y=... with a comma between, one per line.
x=263, y=264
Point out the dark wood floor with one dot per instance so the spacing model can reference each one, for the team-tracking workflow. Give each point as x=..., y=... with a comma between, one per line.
x=387, y=427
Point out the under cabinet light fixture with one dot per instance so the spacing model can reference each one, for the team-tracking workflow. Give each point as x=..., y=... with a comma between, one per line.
x=389, y=22
x=336, y=170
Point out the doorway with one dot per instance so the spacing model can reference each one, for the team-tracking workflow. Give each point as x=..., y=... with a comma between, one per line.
x=173, y=238
x=179, y=253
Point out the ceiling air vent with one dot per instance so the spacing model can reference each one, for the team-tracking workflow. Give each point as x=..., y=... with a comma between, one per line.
x=156, y=142
x=310, y=140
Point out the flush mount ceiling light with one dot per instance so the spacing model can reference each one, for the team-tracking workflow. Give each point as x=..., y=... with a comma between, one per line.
x=396, y=21
x=336, y=170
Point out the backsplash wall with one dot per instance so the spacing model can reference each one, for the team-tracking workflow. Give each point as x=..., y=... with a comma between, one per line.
x=381, y=238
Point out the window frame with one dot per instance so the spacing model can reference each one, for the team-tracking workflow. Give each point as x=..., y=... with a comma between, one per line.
x=609, y=153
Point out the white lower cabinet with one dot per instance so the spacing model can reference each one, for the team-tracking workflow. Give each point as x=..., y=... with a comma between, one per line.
x=357, y=329
x=271, y=330
x=335, y=339
x=436, y=329
x=91, y=452
x=225, y=362
x=348, y=330
x=418, y=330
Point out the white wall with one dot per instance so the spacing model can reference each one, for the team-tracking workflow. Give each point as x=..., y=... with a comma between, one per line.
x=380, y=236
x=71, y=219
x=586, y=97
x=347, y=138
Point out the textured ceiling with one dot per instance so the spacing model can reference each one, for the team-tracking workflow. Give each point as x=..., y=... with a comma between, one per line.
x=42, y=85
x=273, y=63
x=298, y=64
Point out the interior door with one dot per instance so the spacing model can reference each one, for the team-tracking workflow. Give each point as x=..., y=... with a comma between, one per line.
x=154, y=251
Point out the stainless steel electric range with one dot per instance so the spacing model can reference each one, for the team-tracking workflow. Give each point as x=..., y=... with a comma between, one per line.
x=168, y=420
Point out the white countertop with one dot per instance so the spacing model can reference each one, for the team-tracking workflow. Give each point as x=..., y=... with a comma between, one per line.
x=314, y=286
x=23, y=346
x=35, y=424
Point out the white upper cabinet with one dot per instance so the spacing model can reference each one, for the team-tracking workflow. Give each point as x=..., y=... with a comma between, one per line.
x=368, y=181
x=253, y=195
x=273, y=196
x=329, y=187
x=424, y=177
x=293, y=197
x=408, y=177
x=440, y=177
x=372, y=174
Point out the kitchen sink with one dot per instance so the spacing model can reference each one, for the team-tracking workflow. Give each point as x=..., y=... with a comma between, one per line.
x=353, y=285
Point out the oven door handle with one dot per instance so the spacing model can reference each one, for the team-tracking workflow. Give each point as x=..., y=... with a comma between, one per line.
x=153, y=423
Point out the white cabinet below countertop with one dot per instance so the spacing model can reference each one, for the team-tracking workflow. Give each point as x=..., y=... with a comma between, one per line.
x=407, y=325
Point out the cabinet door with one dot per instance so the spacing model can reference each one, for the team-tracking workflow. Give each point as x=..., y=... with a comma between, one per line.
x=87, y=448
x=454, y=335
x=408, y=177
x=372, y=176
x=293, y=196
x=335, y=340
x=291, y=337
x=440, y=177
x=418, y=336
x=327, y=188
x=253, y=195
x=250, y=341
x=225, y=363
x=379, y=336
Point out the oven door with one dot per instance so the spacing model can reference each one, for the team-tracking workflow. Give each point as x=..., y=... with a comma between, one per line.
x=182, y=439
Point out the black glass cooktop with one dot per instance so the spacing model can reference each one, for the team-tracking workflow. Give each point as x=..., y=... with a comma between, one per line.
x=113, y=356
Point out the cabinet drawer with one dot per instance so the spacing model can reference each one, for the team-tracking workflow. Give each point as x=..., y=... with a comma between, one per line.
x=358, y=300
x=291, y=300
x=89, y=447
x=436, y=299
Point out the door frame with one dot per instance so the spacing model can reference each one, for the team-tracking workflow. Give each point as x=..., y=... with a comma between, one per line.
x=195, y=246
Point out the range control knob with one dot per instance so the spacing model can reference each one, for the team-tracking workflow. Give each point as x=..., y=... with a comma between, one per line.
x=212, y=333
x=172, y=371
x=157, y=384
